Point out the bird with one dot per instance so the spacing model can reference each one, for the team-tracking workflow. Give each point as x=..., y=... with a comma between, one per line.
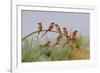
x=74, y=34
x=46, y=45
x=65, y=32
x=58, y=39
x=49, y=29
x=58, y=29
x=71, y=38
x=68, y=41
x=40, y=27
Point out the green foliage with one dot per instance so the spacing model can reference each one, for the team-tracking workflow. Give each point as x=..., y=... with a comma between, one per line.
x=33, y=53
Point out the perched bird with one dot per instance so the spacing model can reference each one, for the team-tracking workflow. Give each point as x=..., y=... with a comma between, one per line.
x=74, y=34
x=58, y=39
x=46, y=45
x=71, y=38
x=49, y=29
x=51, y=26
x=58, y=29
x=40, y=27
x=68, y=41
x=65, y=32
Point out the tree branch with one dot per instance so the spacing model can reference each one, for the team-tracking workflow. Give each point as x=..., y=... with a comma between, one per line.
x=37, y=32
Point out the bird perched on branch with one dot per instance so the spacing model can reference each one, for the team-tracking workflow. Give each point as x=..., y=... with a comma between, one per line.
x=58, y=29
x=46, y=45
x=49, y=29
x=58, y=39
x=65, y=32
x=74, y=34
x=68, y=41
x=40, y=27
x=71, y=38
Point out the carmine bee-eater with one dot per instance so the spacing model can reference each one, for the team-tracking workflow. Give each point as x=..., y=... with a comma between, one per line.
x=49, y=29
x=58, y=29
x=74, y=34
x=40, y=27
x=70, y=38
x=68, y=41
x=65, y=32
x=46, y=45
x=58, y=40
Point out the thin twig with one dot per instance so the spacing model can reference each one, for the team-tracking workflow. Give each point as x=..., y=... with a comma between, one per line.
x=37, y=32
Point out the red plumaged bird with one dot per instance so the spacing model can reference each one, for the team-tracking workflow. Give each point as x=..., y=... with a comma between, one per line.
x=49, y=29
x=68, y=41
x=65, y=32
x=74, y=34
x=58, y=40
x=40, y=27
x=70, y=38
x=58, y=28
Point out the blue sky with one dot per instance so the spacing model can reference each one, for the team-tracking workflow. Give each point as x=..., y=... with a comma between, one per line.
x=71, y=20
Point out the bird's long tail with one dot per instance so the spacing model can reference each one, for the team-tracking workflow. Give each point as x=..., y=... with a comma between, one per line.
x=60, y=33
x=38, y=36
